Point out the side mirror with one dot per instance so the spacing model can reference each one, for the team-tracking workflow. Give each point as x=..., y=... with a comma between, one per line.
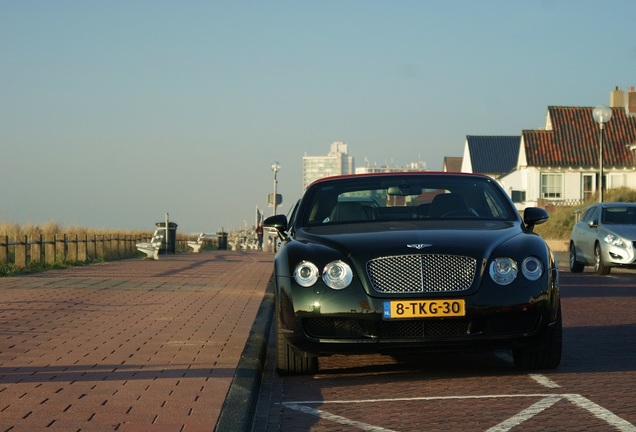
x=534, y=216
x=276, y=222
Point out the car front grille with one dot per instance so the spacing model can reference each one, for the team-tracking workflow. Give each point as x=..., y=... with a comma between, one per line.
x=421, y=273
x=333, y=328
x=349, y=328
x=412, y=329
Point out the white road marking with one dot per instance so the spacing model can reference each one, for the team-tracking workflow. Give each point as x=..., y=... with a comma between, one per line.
x=526, y=414
x=335, y=418
x=547, y=401
x=544, y=381
x=601, y=413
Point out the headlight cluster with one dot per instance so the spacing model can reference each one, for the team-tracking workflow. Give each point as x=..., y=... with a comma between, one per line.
x=614, y=240
x=336, y=275
x=504, y=270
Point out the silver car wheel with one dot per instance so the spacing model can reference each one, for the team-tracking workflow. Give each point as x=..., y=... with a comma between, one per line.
x=599, y=266
x=575, y=266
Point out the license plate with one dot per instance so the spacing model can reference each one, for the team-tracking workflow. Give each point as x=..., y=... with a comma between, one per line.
x=398, y=309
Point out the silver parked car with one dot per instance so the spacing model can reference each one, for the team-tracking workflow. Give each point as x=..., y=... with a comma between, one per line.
x=604, y=237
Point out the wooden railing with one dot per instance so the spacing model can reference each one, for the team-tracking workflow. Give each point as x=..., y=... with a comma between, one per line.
x=71, y=248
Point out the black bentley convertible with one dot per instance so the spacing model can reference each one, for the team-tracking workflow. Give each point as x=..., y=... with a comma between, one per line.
x=400, y=262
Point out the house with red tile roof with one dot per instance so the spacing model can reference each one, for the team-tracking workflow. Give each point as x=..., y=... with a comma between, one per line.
x=560, y=165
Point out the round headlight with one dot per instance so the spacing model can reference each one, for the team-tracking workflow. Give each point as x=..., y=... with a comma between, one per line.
x=532, y=268
x=614, y=240
x=503, y=270
x=337, y=275
x=306, y=274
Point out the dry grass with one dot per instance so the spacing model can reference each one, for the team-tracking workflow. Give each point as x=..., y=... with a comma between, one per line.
x=14, y=230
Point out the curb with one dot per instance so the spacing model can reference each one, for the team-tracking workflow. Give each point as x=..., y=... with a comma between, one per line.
x=239, y=407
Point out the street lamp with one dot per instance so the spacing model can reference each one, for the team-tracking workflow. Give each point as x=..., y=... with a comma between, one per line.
x=275, y=168
x=602, y=115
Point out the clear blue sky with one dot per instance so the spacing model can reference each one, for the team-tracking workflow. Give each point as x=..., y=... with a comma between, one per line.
x=114, y=113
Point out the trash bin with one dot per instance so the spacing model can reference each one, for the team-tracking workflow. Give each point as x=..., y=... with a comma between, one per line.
x=171, y=237
x=222, y=240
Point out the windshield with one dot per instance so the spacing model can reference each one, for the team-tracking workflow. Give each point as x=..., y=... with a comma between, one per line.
x=411, y=197
x=619, y=215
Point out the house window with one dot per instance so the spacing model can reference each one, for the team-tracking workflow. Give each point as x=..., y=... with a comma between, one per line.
x=552, y=186
x=615, y=181
x=588, y=186
x=518, y=196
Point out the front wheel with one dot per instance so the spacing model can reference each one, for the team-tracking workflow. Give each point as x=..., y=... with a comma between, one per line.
x=548, y=356
x=575, y=266
x=599, y=266
x=288, y=360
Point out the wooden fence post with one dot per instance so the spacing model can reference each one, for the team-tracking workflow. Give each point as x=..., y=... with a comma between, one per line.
x=36, y=250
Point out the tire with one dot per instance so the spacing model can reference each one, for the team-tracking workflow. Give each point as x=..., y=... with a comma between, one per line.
x=575, y=266
x=599, y=266
x=290, y=361
x=546, y=357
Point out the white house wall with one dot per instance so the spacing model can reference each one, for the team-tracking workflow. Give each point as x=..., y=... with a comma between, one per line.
x=467, y=166
x=572, y=185
x=533, y=190
x=619, y=178
x=515, y=180
x=528, y=179
x=520, y=180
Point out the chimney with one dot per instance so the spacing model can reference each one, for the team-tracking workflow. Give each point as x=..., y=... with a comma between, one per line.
x=617, y=98
x=630, y=106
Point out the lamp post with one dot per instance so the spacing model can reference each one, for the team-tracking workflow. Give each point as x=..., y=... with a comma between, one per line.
x=602, y=115
x=275, y=168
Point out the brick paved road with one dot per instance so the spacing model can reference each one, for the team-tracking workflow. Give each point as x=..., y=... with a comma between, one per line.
x=132, y=345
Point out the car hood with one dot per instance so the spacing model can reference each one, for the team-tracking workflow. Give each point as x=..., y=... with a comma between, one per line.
x=365, y=241
x=625, y=231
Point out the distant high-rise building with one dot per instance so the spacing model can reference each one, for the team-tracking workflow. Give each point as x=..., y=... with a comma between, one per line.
x=337, y=162
x=411, y=167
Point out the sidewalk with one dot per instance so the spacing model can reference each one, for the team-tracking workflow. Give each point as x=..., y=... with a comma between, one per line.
x=132, y=345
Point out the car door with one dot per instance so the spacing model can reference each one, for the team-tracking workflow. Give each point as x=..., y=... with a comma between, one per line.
x=588, y=233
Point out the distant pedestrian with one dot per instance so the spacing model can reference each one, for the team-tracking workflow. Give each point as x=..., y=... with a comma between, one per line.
x=259, y=235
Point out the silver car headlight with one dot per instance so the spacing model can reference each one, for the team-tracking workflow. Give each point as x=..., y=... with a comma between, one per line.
x=532, y=268
x=503, y=270
x=614, y=240
x=306, y=274
x=337, y=275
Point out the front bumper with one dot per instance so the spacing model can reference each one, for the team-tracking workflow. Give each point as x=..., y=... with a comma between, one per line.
x=615, y=255
x=323, y=329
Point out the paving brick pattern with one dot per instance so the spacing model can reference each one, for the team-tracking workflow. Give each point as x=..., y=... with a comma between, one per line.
x=133, y=345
